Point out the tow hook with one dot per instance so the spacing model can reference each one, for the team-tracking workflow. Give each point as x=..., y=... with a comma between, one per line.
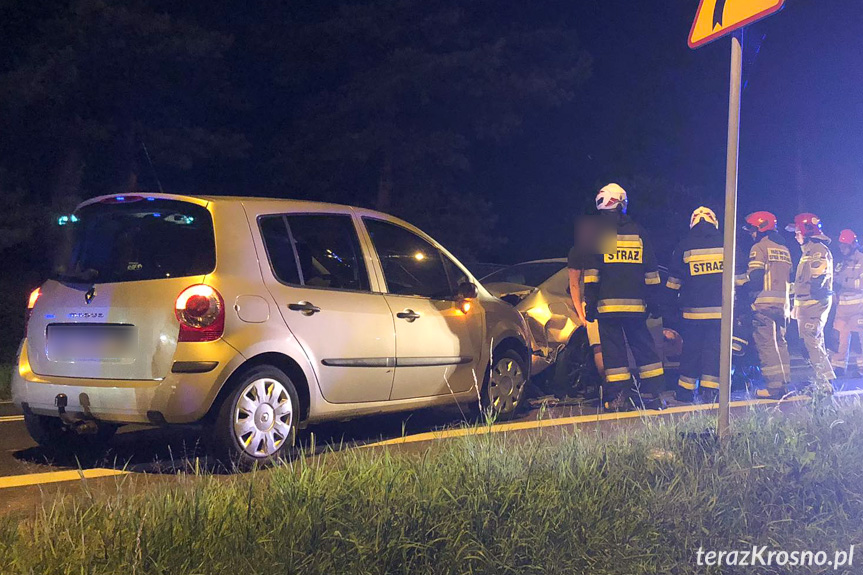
x=79, y=426
x=85, y=427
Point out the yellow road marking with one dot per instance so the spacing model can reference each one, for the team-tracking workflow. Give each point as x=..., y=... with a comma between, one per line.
x=10, y=418
x=579, y=419
x=57, y=477
x=76, y=475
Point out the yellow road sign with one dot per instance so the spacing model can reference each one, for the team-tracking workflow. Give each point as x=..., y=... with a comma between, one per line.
x=716, y=18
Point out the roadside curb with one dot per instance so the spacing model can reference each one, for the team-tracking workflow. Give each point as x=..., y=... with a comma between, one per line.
x=587, y=419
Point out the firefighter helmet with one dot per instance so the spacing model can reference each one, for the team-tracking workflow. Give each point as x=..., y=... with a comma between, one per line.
x=703, y=214
x=612, y=197
x=807, y=225
x=848, y=237
x=760, y=222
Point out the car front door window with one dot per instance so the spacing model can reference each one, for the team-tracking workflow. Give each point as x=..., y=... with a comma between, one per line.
x=411, y=265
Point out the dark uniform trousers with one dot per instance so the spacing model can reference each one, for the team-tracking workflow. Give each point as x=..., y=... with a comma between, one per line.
x=700, y=359
x=614, y=334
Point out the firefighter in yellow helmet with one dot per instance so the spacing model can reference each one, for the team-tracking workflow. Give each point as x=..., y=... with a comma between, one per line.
x=695, y=274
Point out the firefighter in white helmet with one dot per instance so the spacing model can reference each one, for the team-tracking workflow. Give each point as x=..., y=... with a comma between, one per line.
x=621, y=287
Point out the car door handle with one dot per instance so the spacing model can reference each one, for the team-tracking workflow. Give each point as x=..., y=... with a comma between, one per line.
x=408, y=314
x=304, y=308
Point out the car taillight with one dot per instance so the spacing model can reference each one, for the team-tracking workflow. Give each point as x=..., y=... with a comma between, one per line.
x=31, y=303
x=200, y=310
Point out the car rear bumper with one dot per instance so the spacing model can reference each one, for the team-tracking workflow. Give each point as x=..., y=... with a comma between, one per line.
x=182, y=397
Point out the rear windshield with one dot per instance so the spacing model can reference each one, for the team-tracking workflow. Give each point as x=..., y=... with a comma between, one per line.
x=135, y=239
x=529, y=274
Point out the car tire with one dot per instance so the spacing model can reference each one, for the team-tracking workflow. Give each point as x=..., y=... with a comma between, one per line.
x=575, y=371
x=504, y=391
x=51, y=433
x=257, y=422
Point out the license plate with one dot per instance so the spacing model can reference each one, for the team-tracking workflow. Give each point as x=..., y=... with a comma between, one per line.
x=91, y=342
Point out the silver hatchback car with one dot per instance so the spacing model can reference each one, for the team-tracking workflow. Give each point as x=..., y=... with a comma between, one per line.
x=256, y=317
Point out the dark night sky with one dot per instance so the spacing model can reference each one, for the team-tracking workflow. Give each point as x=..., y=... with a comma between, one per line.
x=802, y=117
x=653, y=108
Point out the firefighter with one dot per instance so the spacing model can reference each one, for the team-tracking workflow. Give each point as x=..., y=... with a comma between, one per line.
x=849, y=311
x=696, y=275
x=767, y=282
x=622, y=287
x=813, y=294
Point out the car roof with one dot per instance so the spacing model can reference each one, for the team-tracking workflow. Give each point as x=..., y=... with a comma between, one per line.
x=545, y=261
x=256, y=202
x=263, y=204
x=564, y=260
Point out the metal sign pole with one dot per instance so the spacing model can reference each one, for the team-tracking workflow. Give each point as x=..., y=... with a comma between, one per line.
x=730, y=233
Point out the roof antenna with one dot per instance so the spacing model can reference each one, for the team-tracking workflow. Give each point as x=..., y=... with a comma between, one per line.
x=152, y=169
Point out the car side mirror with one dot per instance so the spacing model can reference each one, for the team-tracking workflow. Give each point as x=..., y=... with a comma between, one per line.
x=467, y=290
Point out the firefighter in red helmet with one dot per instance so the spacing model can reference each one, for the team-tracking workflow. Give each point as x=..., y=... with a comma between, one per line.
x=767, y=280
x=849, y=310
x=813, y=294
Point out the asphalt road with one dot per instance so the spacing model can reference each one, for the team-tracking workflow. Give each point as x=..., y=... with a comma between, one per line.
x=30, y=474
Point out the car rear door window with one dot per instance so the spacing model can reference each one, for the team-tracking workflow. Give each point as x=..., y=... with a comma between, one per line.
x=280, y=249
x=411, y=265
x=315, y=250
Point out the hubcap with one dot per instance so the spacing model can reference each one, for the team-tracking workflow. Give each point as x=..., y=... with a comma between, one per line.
x=263, y=417
x=506, y=385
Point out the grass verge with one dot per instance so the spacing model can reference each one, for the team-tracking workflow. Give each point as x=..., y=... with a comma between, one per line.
x=638, y=502
x=5, y=381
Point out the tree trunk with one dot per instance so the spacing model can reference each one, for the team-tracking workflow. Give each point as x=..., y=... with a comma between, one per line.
x=385, y=185
x=129, y=149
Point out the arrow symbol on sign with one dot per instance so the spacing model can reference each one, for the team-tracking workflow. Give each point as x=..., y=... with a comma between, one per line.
x=717, y=12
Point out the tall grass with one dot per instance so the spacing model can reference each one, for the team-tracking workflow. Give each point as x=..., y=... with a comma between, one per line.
x=638, y=502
